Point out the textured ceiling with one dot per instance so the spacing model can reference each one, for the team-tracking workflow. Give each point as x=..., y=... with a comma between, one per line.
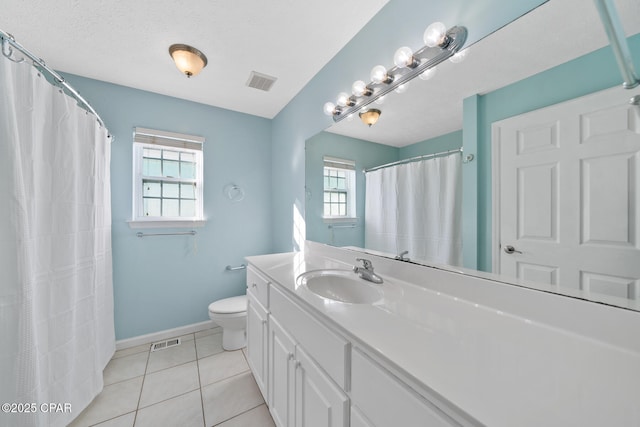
x=126, y=42
x=556, y=32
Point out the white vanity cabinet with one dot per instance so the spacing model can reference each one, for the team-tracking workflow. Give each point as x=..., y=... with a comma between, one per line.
x=257, y=328
x=301, y=393
x=379, y=399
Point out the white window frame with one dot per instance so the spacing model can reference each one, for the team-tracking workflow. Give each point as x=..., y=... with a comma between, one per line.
x=349, y=166
x=171, y=141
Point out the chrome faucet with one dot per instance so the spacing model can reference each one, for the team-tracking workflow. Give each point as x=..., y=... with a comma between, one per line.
x=401, y=256
x=366, y=271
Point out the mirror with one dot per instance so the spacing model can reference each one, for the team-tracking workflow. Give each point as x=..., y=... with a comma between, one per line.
x=428, y=118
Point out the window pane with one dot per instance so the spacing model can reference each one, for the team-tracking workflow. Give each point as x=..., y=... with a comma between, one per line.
x=170, y=207
x=187, y=208
x=188, y=157
x=170, y=169
x=151, y=189
x=326, y=182
x=151, y=167
x=327, y=196
x=187, y=170
x=343, y=210
x=170, y=190
x=149, y=152
x=341, y=184
x=327, y=210
x=187, y=191
x=171, y=155
x=340, y=174
x=152, y=207
x=343, y=198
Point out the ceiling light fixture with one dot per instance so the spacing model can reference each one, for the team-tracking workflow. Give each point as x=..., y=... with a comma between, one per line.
x=189, y=60
x=440, y=45
x=370, y=117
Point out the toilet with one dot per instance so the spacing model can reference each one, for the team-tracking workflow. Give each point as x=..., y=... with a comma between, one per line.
x=231, y=315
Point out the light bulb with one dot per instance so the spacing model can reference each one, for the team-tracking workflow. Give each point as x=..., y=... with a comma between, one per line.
x=459, y=56
x=427, y=74
x=359, y=88
x=435, y=34
x=403, y=57
x=402, y=88
x=329, y=108
x=379, y=74
x=343, y=99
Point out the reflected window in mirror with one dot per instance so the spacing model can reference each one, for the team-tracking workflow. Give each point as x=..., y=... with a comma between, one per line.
x=339, y=177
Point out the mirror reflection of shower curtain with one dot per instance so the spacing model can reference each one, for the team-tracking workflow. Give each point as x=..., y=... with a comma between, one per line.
x=56, y=294
x=416, y=207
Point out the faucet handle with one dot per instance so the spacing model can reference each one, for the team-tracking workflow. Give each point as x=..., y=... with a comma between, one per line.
x=366, y=263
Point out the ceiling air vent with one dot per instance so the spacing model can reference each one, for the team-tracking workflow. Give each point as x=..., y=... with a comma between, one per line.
x=260, y=81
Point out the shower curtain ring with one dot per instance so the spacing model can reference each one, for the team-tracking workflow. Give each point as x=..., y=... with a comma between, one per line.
x=7, y=51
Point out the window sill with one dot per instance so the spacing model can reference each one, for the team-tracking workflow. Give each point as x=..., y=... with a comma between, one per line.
x=166, y=223
x=339, y=220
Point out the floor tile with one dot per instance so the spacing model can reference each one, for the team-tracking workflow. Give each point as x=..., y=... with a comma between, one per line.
x=121, y=421
x=256, y=417
x=115, y=400
x=209, y=345
x=181, y=411
x=220, y=366
x=126, y=367
x=132, y=350
x=173, y=356
x=168, y=383
x=228, y=398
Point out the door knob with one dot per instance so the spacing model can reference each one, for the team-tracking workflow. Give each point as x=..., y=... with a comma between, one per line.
x=511, y=250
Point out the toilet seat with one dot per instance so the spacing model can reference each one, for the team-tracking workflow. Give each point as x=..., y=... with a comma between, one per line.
x=229, y=305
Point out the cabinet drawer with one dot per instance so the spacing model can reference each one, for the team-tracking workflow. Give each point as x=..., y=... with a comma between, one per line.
x=323, y=345
x=258, y=285
x=384, y=400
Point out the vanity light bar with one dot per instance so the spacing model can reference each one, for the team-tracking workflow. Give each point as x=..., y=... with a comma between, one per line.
x=420, y=61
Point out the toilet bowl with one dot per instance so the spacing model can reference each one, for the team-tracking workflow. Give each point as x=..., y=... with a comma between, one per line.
x=231, y=315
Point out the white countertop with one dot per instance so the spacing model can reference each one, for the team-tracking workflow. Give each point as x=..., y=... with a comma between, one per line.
x=505, y=355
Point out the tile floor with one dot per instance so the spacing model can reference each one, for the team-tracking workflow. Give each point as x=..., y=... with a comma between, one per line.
x=194, y=384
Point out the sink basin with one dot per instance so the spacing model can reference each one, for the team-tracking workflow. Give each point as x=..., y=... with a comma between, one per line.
x=341, y=285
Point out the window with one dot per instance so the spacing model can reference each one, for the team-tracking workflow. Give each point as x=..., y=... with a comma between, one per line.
x=339, y=188
x=167, y=187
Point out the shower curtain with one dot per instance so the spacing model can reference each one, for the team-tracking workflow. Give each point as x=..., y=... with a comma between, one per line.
x=56, y=296
x=416, y=207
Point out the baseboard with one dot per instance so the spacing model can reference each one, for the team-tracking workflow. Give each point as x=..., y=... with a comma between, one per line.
x=163, y=335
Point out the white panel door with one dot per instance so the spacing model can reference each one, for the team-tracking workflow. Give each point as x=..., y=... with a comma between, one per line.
x=318, y=401
x=281, y=375
x=567, y=198
x=257, y=342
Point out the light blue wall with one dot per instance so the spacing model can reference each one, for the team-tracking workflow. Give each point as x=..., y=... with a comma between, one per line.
x=166, y=282
x=399, y=23
x=366, y=155
x=449, y=141
x=582, y=76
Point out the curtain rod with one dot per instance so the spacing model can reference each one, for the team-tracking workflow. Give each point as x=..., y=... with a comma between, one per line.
x=7, y=51
x=415, y=159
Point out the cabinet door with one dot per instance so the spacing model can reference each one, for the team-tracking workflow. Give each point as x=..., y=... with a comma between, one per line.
x=318, y=401
x=281, y=380
x=257, y=342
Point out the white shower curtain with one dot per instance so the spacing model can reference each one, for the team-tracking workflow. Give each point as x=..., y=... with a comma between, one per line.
x=416, y=207
x=56, y=296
